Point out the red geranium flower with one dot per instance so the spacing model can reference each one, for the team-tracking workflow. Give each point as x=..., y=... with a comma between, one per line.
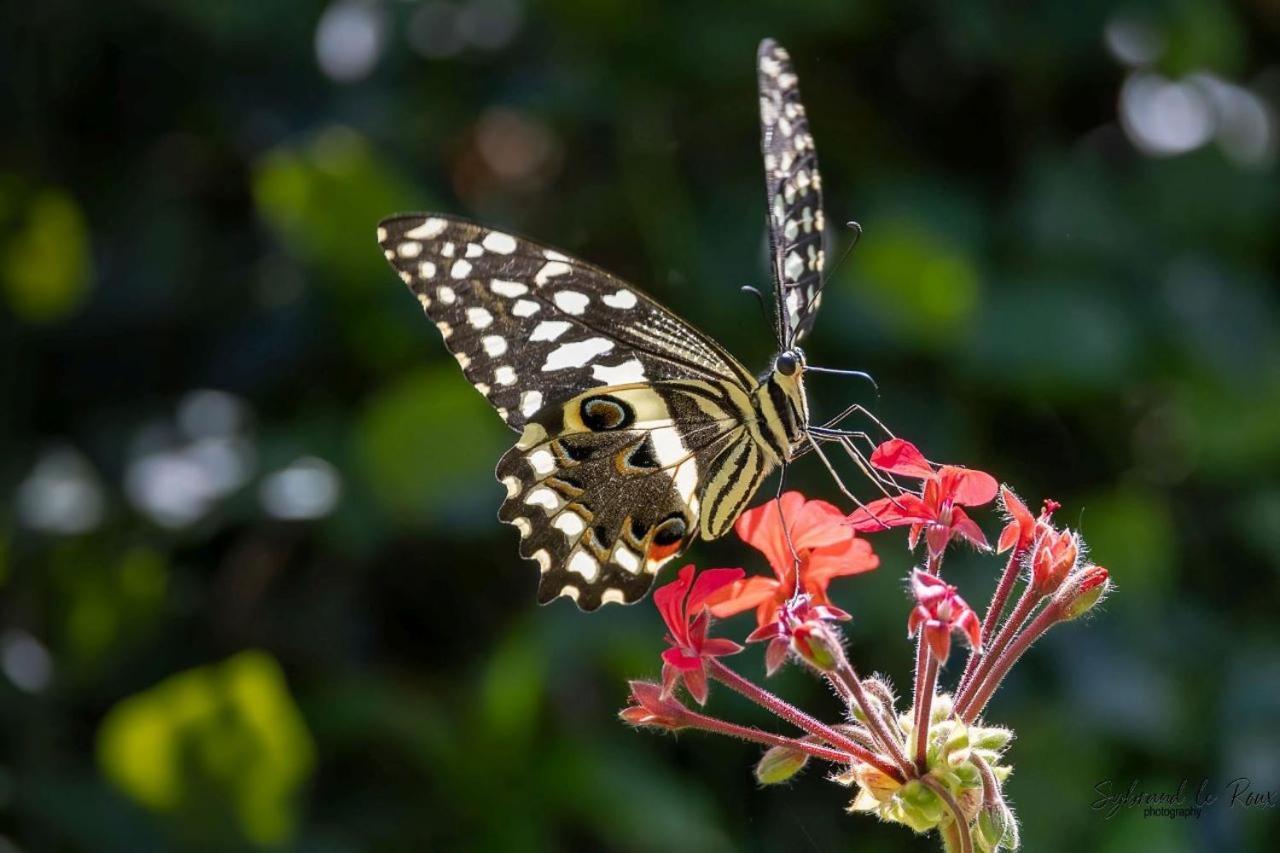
x=1023, y=527
x=937, y=509
x=801, y=626
x=940, y=610
x=650, y=707
x=827, y=546
x=683, y=605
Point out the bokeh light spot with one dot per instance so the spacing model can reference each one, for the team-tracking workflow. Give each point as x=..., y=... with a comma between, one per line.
x=308, y=488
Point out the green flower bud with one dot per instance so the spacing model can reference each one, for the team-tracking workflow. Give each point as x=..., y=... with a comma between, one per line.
x=920, y=808
x=990, y=739
x=780, y=763
x=997, y=827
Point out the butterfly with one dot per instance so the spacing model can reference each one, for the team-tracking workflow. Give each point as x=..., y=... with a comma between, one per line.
x=638, y=432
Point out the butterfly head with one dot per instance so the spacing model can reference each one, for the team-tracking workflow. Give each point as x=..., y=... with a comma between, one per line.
x=790, y=363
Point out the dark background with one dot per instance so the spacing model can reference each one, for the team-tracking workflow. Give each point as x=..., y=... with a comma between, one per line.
x=254, y=593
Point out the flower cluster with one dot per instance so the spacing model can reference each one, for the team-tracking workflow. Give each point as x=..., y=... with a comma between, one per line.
x=935, y=765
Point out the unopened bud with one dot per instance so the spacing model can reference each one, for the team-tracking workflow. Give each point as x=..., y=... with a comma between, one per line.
x=921, y=808
x=780, y=763
x=990, y=738
x=1082, y=592
x=817, y=644
x=997, y=828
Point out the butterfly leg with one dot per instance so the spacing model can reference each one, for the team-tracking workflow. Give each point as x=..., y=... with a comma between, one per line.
x=882, y=480
x=786, y=528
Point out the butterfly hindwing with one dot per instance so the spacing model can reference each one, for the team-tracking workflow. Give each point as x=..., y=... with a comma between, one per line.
x=608, y=487
x=794, y=195
x=531, y=326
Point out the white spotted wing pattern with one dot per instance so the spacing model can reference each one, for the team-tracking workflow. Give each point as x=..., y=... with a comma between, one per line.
x=794, y=194
x=531, y=326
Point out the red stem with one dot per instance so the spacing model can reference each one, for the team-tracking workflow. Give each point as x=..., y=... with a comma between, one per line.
x=799, y=718
x=749, y=733
x=924, y=708
x=848, y=683
x=1026, y=603
x=971, y=706
x=995, y=610
x=957, y=817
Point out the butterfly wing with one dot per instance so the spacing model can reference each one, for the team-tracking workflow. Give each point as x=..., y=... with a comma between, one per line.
x=610, y=486
x=531, y=326
x=794, y=190
x=629, y=416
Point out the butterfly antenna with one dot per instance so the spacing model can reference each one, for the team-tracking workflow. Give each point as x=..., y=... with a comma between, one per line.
x=860, y=374
x=848, y=250
x=755, y=291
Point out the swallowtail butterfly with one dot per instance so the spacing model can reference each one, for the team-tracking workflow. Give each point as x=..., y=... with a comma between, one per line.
x=638, y=432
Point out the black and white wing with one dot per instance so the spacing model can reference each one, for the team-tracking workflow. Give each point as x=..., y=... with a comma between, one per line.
x=633, y=423
x=794, y=190
x=531, y=326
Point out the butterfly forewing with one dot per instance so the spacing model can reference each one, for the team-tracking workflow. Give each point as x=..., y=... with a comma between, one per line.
x=794, y=195
x=531, y=326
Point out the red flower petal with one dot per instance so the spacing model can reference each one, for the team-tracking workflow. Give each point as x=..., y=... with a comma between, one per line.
x=830, y=563
x=669, y=600
x=1009, y=536
x=818, y=525
x=695, y=681
x=708, y=582
x=964, y=525
x=719, y=647
x=680, y=661
x=898, y=456
x=917, y=616
x=775, y=655
x=972, y=629
x=967, y=487
x=938, y=637
x=1021, y=529
x=889, y=512
x=742, y=595
x=761, y=528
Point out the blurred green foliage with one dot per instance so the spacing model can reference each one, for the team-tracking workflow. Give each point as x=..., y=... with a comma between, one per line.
x=284, y=616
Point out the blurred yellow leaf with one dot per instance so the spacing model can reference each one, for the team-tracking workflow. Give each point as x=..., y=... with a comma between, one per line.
x=221, y=737
x=45, y=266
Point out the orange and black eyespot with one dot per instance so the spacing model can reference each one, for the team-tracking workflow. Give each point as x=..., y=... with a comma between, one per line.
x=667, y=537
x=602, y=413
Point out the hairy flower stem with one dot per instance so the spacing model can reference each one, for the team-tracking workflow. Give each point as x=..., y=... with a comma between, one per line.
x=922, y=691
x=956, y=835
x=695, y=720
x=850, y=686
x=969, y=707
x=1026, y=603
x=990, y=785
x=995, y=610
x=924, y=707
x=799, y=718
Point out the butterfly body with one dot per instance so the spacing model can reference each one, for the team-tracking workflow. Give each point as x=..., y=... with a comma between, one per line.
x=638, y=432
